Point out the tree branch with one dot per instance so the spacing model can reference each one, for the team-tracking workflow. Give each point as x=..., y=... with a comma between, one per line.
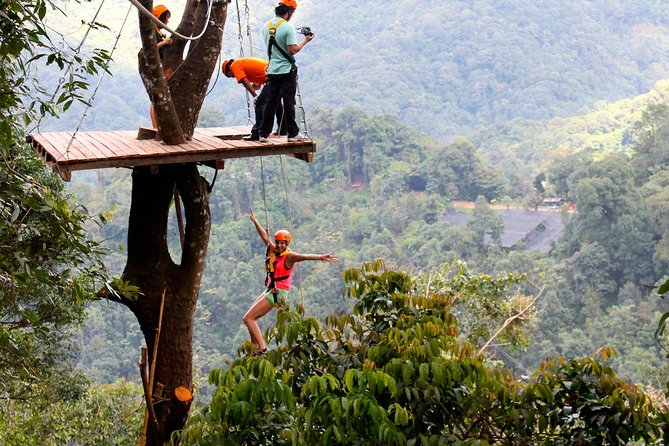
x=509, y=321
x=155, y=83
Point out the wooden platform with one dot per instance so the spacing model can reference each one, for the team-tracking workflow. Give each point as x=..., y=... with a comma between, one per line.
x=127, y=148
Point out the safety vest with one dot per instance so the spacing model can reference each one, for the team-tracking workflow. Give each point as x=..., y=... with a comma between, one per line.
x=272, y=42
x=277, y=274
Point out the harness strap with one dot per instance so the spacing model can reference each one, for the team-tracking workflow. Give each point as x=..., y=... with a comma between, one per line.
x=272, y=42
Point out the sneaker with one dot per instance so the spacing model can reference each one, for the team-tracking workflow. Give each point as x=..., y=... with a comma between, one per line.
x=298, y=138
x=251, y=138
x=263, y=139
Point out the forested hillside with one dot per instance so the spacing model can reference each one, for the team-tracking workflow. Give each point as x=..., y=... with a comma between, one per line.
x=445, y=68
x=413, y=106
x=378, y=189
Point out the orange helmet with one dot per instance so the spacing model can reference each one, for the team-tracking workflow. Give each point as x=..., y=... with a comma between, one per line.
x=158, y=10
x=282, y=235
x=289, y=3
x=225, y=66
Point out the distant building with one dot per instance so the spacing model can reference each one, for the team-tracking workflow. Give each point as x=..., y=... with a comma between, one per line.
x=553, y=201
x=528, y=230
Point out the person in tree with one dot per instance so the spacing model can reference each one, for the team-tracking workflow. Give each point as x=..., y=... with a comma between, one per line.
x=251, y=73
x=163, y=14
x=281, y=40
x=280, y=262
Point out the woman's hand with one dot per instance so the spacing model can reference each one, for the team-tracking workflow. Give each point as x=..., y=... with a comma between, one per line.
x=329, y=257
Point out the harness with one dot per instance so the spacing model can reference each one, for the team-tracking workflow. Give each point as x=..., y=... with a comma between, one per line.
x=270, y=280
x=272, y=42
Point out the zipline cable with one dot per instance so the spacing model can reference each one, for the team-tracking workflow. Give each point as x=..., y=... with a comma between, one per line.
x=160, y=24
x=251, y=47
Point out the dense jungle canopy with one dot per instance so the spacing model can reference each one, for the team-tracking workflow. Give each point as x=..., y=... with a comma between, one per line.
x=416, y=108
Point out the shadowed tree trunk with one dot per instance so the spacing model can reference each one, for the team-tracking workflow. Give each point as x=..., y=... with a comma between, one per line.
x=150, y=266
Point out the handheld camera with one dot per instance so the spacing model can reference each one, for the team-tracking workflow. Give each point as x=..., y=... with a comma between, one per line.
x=305, y=30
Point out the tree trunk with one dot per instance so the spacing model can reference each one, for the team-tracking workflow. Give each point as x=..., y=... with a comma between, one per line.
x=150, y=266
x=152, y=269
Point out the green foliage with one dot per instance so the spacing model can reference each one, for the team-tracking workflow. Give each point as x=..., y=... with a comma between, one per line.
x=396, y=372
x=48, y=270
x=26, y=43
x=74, y=413
x=613, y=224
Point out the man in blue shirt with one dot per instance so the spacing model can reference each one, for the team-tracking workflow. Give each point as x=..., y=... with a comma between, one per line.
x=281, y=40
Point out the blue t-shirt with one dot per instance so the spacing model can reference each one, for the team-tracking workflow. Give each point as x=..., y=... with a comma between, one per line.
x=284, y=36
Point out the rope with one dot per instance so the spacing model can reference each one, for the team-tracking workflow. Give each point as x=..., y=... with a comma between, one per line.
x=304, y=113
x=89, y=104
x=240, y=38
x=251, y=47
x=292, y=226
x=61, y=81
x=218, y=72
x=160, y=24
x=247, y=13
x=264, y=195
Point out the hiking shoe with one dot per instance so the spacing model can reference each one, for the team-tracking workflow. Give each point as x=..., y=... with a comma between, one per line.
x=263, y=139
x=251, y=138
x=298, y=138
x=256, y=354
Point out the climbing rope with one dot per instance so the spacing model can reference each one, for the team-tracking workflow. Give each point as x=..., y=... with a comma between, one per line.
x=304, y=113
x=247, y=13
x=240, y=38
x=292, y=225
x=264, y=194
x=89, y=103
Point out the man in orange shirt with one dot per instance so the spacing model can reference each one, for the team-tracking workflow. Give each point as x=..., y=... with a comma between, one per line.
x=250, y=72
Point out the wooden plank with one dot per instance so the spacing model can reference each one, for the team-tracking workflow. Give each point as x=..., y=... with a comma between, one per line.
x=131, y=147
x=212, y=142
x=151, y=146
x=105, y=148
x=44, y=144
x=110, y=147
x=92, y=146
x=225, y=131
x=49, y=142
x=41, y=150
x=66, y=155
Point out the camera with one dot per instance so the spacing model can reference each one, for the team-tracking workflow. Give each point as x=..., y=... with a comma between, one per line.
x=305, y=30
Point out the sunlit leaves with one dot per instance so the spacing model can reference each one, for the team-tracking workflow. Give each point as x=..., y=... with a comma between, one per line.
x=26, y=42
x=395, y=372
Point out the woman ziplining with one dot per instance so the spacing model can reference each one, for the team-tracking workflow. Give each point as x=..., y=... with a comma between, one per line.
x=280, y=262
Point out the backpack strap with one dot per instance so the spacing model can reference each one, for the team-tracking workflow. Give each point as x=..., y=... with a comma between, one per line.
x=272, y=42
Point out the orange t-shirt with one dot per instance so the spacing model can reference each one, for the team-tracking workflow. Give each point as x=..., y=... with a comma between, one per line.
x=251, y=68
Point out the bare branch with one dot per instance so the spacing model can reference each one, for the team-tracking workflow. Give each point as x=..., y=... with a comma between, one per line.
x=510, y=320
